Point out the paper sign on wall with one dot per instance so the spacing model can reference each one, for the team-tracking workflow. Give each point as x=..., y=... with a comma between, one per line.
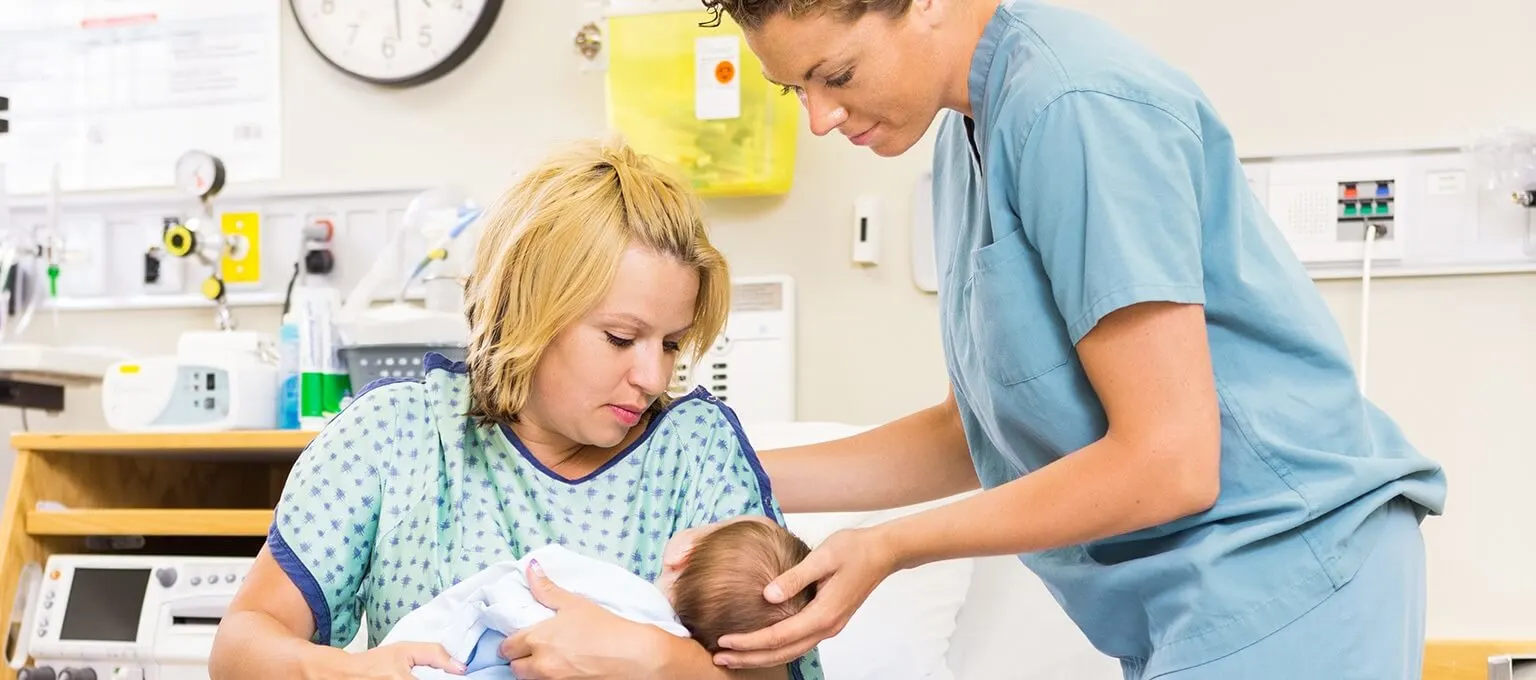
x=718, y=76
x=114, y=92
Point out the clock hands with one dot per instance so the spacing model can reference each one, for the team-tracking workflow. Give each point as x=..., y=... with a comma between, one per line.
x=398, y=33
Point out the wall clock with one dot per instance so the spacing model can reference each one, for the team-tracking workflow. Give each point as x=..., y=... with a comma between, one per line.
x=395, y=43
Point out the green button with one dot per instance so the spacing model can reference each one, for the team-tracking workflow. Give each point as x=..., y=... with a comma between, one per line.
x=1349, y=210
x=1383, y=208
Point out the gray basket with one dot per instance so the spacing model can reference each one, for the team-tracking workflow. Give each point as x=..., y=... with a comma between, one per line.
x=367, y=363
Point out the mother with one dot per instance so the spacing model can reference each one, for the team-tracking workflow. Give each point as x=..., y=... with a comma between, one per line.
x=1145, y=379
x=589, y=281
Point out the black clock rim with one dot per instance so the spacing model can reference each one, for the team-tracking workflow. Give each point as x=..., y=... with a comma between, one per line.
x=466, y=49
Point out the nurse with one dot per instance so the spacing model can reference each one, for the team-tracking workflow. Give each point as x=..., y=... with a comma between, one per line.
x=1145, y=381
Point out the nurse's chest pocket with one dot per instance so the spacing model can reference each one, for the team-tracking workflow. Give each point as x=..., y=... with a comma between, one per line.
x=1018, y=332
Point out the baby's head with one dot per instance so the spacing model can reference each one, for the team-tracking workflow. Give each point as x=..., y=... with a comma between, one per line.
x=720, y=590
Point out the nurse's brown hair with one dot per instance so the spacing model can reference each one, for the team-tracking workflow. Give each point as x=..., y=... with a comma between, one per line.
x=751, y=14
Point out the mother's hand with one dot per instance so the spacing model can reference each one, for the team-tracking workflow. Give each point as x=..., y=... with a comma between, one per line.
x=847, y=567
x=582, y=641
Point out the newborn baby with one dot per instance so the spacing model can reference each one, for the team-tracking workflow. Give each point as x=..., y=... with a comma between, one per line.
x=718, y=593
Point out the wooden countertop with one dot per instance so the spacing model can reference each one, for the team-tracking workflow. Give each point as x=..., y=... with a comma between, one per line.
x=245, y=441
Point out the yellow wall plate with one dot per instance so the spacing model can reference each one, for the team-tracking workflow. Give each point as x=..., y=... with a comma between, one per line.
x=240, y=261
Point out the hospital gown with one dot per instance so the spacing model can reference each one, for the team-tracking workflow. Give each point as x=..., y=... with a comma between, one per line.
x=403, y=496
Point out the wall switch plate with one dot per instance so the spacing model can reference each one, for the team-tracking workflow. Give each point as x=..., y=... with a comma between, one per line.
x=866, y=230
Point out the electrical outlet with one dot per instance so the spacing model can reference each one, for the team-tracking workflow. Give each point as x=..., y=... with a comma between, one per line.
x=1322, y=206
x=1366, y=201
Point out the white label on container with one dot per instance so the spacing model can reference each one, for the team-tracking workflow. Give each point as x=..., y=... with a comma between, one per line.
x=718, y=76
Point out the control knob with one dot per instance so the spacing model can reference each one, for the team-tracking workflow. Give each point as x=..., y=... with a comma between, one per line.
x=39, y=673
x=78, y=674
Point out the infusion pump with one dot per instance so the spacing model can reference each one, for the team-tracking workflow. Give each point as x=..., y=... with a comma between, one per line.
x=127, y=617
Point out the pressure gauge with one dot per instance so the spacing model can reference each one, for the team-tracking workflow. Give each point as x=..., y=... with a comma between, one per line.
x=199, y=174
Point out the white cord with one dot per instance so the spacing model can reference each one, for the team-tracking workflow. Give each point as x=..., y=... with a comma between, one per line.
x=1372, y=232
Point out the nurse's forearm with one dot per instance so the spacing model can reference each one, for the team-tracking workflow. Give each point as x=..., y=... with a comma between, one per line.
x=1103, y=490
x=920, y=457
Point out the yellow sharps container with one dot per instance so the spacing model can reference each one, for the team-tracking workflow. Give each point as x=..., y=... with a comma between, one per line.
x=695, y=97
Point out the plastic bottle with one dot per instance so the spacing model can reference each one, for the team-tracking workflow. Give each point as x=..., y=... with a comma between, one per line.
x=323, y=379
x=288, y=374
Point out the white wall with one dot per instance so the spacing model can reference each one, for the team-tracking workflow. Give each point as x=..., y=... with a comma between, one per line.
x=1452, y=357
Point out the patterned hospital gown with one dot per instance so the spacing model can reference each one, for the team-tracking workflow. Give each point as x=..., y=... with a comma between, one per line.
x=402, y=496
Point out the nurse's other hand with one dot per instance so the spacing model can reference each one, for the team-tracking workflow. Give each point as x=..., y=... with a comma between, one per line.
x=582, y=641
x=846, y=568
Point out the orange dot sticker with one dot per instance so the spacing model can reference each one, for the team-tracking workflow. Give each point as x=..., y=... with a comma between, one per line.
x=724, y=72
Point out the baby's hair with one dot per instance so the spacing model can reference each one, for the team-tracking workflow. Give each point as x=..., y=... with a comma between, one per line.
x=720, y=591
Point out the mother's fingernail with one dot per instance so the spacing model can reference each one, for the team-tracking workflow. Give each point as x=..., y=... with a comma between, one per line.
x=534, y=565
x=774, y=593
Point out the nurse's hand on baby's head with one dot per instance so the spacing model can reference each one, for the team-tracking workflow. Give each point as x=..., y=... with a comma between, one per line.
x=718, y=591
x=844, y=570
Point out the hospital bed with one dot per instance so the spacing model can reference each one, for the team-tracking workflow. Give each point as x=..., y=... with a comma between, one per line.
x=985, y=619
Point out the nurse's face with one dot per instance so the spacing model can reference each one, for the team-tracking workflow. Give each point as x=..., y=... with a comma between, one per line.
x=878, y=80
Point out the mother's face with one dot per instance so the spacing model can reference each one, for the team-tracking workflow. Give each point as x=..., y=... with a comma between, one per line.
x=876, y=79
x=598, y=376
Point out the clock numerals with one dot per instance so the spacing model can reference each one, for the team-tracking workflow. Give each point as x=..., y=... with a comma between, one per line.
x=396, y=43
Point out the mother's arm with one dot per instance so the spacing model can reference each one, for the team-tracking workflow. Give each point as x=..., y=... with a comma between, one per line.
x=268, y=629
x=689, y=661
x=299, y=603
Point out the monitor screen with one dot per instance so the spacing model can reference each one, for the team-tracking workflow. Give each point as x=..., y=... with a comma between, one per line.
x=104, y=604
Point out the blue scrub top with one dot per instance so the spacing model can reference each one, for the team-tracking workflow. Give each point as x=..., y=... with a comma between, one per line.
x=1101, y=177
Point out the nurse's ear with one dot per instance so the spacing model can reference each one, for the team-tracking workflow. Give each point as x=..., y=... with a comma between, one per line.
x=926, y=10
x=937, y=14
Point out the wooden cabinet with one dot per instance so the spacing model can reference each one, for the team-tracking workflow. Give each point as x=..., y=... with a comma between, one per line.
x=166, y=494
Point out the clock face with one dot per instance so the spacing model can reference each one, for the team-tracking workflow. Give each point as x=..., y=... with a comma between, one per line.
x=395, y=42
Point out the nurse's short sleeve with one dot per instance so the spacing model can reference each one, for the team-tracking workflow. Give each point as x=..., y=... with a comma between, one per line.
x=1109, y=194
x=326, y=522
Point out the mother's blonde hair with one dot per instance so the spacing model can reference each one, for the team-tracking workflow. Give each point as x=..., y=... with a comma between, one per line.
x=548, y=254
